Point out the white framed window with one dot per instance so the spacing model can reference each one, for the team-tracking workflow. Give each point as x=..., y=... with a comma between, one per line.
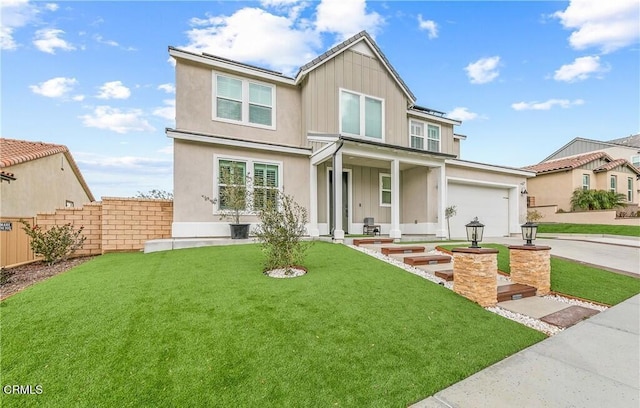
x=385, y=190
x=630, y=189
x=361, y=115
x=586, y=182
x=243, y=101
x=433, y=138
x=416, y=134
x=266, y=179
x=265, y=185
x=635, y=160
x=613, y=184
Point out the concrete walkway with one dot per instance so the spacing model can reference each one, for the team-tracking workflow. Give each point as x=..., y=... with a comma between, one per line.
x=593, y=364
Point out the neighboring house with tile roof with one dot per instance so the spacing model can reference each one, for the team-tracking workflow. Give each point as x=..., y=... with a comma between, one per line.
x=344, y=136
x=39, y=177
x=627, y=148
x=556, y=179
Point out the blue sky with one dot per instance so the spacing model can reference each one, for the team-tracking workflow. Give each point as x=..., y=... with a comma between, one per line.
x=524, y=77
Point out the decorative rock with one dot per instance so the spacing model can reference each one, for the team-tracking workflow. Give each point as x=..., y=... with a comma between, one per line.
x=475, y=272
x=531, y=265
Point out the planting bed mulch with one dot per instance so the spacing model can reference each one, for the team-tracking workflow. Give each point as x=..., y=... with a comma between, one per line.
x=26, y=275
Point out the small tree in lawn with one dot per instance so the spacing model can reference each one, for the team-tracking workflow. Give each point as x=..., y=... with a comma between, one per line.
x=448, y=213
x=534, y=216
x=281, y=230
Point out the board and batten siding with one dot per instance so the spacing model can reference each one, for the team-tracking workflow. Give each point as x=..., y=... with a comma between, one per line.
x=360, y=73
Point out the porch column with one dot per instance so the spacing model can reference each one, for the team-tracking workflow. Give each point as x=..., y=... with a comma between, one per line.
x=395, y=232
x=338, y=231
x=313, y=202
x=442, y=204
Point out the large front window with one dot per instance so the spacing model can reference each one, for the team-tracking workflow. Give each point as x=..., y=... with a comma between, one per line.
x=243, y=101
x=361, y=115
x=260, y=188
x=265, y=185
x=231, y=173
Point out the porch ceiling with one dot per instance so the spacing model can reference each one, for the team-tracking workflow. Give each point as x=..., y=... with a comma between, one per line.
x=362, y=161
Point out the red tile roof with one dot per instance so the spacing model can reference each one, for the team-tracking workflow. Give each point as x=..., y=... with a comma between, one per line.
x=611, y=165
x=568, y=163
x=13, y=151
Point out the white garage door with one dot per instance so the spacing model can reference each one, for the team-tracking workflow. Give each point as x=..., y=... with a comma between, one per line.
x=489, y=204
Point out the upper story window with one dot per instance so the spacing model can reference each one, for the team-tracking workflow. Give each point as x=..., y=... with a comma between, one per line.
x=243, y=101
x=613, y=184
x=361, y=115
x=635, y=160
x=586, y=182
x=417, y=135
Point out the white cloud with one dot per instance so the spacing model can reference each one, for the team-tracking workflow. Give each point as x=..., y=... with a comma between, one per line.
x=483, y=70
x=254, y=35
x=168, y=111
x=462, y=113
x=54, y=87
x=346, y=18
x=166, y=150
x=48, y=39
x=168, y=88
x=608, y=25
x=78, y=98
x=429, y=26
x=13, y=15
x=100, y=39
x=51, y=6
x=106, y=117
x=580, y=69
x=563, y=103
x=113, y=90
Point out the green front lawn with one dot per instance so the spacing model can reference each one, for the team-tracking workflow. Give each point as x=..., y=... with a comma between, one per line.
x=627, y=230
x=575, y=279
x=204, y=328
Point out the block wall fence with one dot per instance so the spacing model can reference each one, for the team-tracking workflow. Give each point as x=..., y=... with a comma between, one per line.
x=115, y=224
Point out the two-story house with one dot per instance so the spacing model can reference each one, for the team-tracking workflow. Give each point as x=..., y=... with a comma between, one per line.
x=344, y=136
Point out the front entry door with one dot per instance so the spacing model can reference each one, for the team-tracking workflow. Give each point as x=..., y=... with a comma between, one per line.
x=345, y=202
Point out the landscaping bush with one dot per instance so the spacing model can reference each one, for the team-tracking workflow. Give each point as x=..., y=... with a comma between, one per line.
x=280, y=232
x=56, y=243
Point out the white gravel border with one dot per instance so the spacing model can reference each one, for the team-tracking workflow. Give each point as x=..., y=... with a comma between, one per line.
x=528, y=321
x=282, y=273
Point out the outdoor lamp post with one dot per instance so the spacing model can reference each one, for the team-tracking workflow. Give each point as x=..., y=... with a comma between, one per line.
x=474, y=232
x=529, y=231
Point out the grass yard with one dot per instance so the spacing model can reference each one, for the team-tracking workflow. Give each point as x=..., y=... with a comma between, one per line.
x=627, y=230
x=575, y=279
x=203, y=328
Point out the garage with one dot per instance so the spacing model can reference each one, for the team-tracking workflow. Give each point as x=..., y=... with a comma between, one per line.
x=489, y=203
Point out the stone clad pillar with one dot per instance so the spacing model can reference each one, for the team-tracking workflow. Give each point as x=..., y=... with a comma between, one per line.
x=475, y=274
x=531, y=265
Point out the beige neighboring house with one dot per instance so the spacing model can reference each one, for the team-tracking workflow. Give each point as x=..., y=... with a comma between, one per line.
x=43, y=177
x=344, y=136
x=557, y=179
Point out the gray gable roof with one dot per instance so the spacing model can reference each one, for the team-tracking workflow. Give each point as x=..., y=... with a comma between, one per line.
x=629, y=141
x=361, y=36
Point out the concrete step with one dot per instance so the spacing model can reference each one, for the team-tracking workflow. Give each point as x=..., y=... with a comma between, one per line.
x=401, y=249
x=427, y=260
x=515, y=291
x=366, y=241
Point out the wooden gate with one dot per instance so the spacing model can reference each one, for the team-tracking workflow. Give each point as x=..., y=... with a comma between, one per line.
x=14, y=243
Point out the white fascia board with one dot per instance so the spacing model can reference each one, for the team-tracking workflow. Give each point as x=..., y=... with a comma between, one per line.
x=323, y=154
x=231, y=67
x=460, y=137
x=317, y=137
x=490, y=167
x=433, y=118
x=474, y=182
x=404, y=156
x=212, y=139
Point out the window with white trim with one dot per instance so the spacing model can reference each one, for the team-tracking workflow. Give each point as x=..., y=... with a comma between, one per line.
x=613, y=184
x=264, y=188
x=361, y=115
x=265, y=185
x=635, y=160
x=586, y=182
x=245, y=102
x=433, y=138
x=630, y=189
x=385, y=190
x=416, y=134
x=230, y=173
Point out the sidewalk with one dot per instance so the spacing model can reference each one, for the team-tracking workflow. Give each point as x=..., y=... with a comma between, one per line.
x=590, y=365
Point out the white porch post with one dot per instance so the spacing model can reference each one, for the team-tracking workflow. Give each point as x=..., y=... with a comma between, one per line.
x=395, y=200
x=338, y=231
x=313, y=202
x=442, y=204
